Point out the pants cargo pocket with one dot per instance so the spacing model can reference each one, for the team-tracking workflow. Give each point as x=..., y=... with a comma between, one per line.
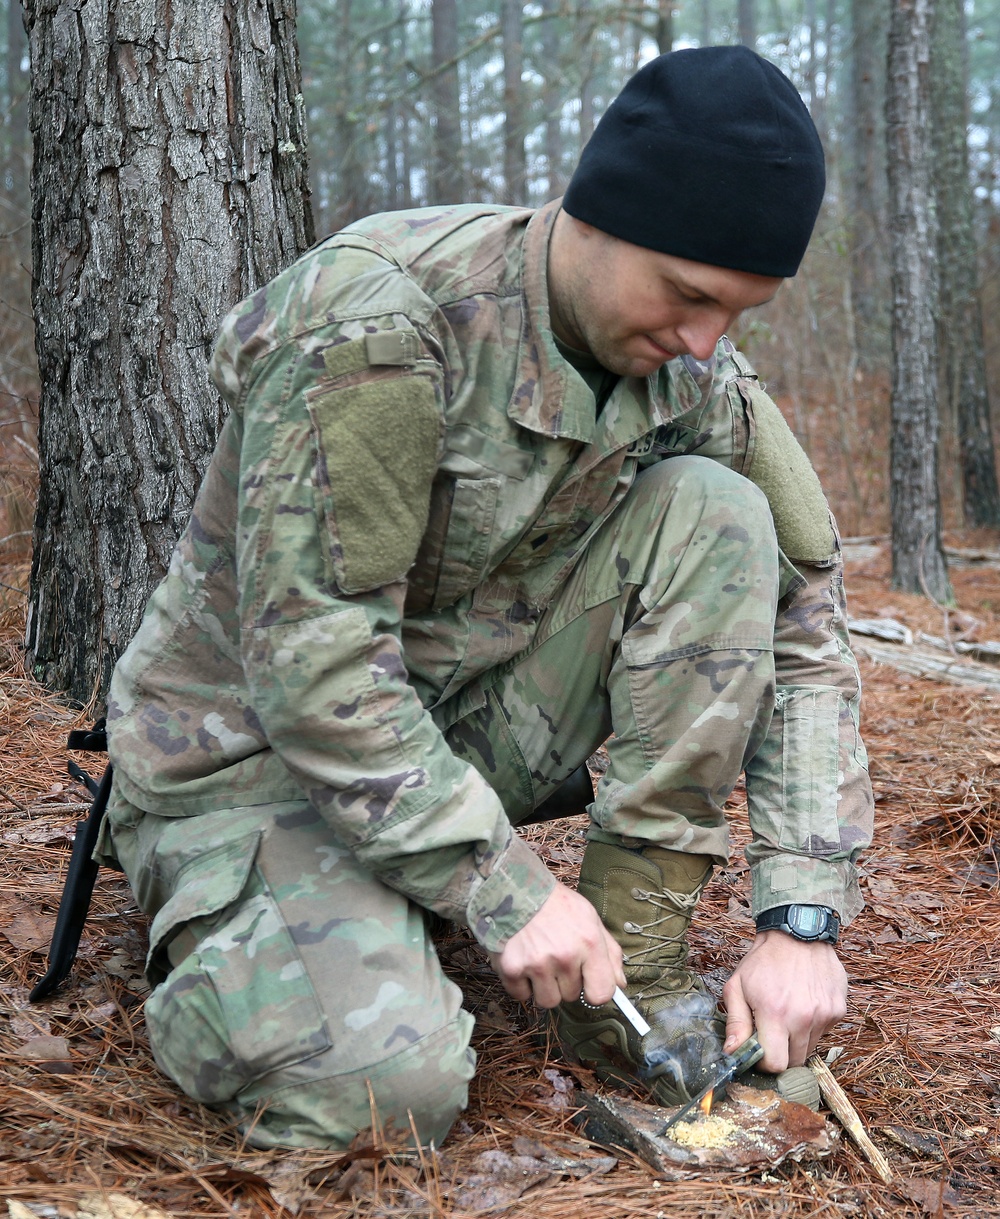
x=238, y=1002
x=795, y=775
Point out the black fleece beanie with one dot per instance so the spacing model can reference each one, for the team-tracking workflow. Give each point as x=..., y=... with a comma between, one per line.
x=708, y=154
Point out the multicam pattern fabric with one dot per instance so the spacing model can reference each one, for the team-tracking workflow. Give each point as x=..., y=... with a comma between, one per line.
x=424, y=577
x=291, y=987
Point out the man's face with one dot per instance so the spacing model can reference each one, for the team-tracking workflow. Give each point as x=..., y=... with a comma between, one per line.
x=633, y=308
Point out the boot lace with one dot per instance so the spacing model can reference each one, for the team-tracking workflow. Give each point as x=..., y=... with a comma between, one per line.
x=670, y=908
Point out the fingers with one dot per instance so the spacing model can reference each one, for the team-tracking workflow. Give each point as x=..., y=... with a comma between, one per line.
x=792, y=991
x=739, y=1016
x=601, y=974
x=563, y=951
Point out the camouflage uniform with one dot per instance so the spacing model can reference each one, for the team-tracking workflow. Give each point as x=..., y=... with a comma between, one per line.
x=424, y=578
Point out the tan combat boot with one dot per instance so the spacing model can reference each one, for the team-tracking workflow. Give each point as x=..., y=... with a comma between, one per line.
x=646, y=899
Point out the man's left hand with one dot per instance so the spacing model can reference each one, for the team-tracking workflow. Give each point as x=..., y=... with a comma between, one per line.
x=791, y=992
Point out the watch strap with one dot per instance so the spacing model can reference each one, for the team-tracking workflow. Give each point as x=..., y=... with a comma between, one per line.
x=777, y=918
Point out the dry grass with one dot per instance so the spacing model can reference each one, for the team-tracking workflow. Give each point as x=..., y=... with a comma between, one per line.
x=89, y=1115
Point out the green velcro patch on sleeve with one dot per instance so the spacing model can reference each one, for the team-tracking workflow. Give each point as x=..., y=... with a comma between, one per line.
x=379, y=441
x=782, y=470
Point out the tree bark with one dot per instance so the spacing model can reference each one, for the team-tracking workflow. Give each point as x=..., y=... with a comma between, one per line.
x=168, y=183
x=960, y=321
x=446, y=180
x=918, y=563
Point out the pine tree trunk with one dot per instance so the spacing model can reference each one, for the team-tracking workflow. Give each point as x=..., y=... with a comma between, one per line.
x=960, y=321
x=168, y=183
x=918, y=563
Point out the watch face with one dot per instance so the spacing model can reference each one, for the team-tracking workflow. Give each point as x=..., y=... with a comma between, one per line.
x=807, y=921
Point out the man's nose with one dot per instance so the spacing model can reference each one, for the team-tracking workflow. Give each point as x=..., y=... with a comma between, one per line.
x=701, y=335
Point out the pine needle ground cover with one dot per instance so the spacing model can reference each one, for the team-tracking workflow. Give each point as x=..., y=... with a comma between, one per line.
x=88, y=1126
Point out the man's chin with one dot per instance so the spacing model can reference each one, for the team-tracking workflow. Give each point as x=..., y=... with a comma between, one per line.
x=634, y=366
x=646, y=366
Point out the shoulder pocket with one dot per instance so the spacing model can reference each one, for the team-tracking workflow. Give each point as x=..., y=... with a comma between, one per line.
x=377, y=447
x=779, y=466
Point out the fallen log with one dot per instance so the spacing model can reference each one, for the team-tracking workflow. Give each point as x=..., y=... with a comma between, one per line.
x=921, y=662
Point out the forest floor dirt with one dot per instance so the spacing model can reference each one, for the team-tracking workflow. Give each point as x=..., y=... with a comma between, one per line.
x=88, y=1126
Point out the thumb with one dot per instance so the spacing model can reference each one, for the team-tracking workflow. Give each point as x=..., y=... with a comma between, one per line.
x=739, y=1018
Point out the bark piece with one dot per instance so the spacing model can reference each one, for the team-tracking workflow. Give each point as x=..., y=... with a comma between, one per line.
x=498, y=1180
x=762, y=1128
x=563, y=1162
x=915, y=1141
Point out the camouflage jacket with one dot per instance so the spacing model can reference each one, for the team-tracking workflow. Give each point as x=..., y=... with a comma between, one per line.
x=408, y=472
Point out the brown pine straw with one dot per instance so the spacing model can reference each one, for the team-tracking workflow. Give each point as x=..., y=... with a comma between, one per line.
x=918, y=1059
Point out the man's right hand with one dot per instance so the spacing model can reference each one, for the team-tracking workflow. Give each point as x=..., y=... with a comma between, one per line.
x=562, y=951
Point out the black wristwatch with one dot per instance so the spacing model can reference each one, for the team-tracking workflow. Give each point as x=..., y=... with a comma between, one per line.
x=813, y=924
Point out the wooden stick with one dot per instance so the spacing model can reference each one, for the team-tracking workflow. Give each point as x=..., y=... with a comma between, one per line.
x=850, y=1119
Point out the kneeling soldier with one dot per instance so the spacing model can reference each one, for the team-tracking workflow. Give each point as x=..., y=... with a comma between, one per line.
x=494, y=487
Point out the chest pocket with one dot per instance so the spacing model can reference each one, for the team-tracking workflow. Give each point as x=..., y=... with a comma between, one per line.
x=459, y=547
x=471, y=505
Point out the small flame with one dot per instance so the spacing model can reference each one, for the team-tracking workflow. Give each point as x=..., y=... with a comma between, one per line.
x=705, y=1104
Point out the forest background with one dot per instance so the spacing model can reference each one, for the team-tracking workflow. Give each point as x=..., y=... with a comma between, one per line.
x=413, y=102
x=426, y=101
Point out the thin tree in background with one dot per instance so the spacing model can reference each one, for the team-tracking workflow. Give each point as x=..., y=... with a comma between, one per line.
x=705, y=23
x=446, y=178
x=17, y=151
x=960, y=320
x=746, y=22
x=918, y=563
x=552, y=98
x=515, y=162
x=17, y=373
x=168, y=182
x=351, y=196
x=809, y=69
x=663, y=25
x=865, y=180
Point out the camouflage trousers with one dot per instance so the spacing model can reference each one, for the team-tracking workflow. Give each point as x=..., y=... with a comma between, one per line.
x=295, y=989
